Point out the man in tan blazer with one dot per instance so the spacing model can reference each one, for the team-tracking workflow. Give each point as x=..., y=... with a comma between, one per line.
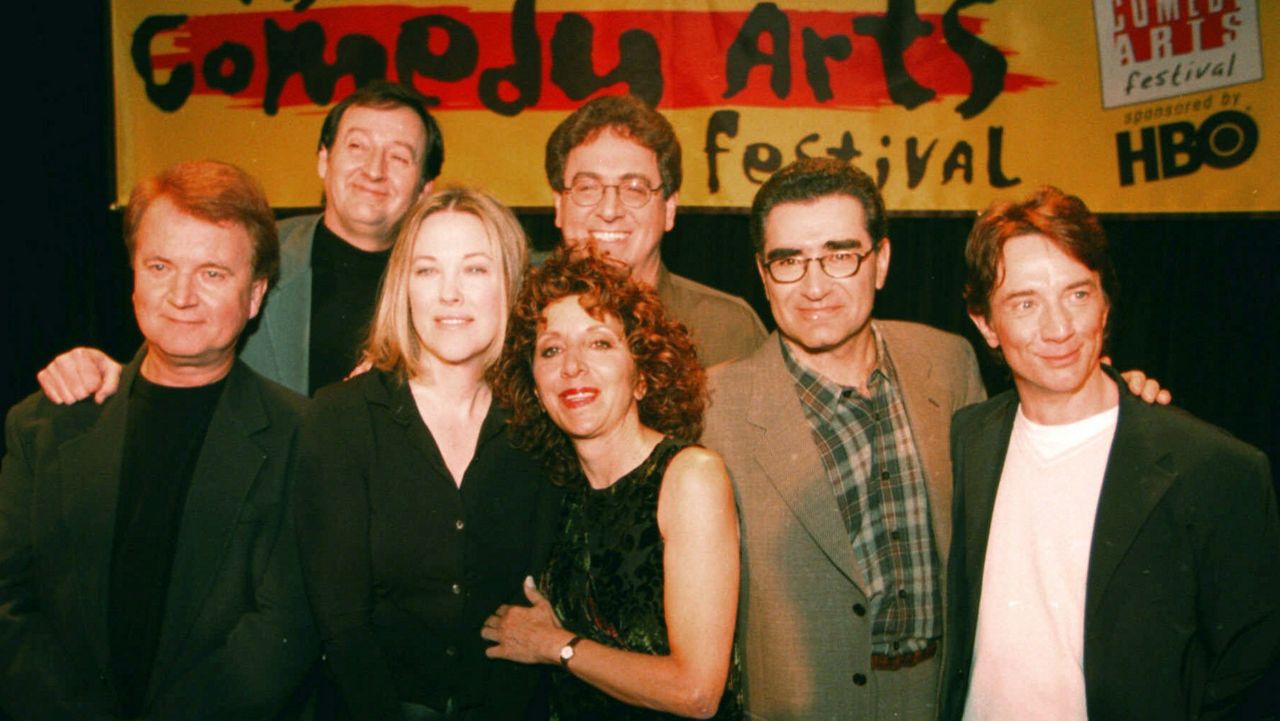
x=836, y=434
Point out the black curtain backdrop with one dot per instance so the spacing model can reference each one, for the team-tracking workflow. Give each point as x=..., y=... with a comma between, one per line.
x=1199, y=307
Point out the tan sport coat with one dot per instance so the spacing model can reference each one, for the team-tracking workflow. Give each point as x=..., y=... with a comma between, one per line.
x=802, y=623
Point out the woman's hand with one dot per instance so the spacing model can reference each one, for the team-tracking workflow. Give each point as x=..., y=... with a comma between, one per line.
x=525, y=634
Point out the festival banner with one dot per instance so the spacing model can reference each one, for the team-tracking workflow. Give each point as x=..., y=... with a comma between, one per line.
x=1149, y=106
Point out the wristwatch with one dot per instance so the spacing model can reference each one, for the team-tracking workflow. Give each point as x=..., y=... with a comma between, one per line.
x=566, y=651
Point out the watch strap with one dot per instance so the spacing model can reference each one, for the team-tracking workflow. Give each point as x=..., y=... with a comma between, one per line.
x=566, y=651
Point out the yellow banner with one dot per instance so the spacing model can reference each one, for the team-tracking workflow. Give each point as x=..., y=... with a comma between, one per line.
x=1136, y=105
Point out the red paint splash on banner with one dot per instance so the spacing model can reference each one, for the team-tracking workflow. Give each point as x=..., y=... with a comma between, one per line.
x=693, y=47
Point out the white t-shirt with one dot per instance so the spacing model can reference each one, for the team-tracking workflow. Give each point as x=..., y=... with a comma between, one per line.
x=1028, y=656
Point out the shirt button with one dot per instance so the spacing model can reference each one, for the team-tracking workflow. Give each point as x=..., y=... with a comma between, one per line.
x=451, y=651
x=859, y=609
x=456, y=588
x=902, y=593
x=459, y=524
x=884, y=475
x=859, y=679
x=895, y=535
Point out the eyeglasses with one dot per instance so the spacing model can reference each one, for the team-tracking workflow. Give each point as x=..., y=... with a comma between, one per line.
x=588, y=192
x=840, y=264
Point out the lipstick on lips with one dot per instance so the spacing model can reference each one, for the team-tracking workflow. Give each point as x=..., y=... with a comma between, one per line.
x=578, y=397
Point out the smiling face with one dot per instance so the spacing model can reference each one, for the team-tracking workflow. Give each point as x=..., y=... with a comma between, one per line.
x=632, y=235
x=584, y=372
x=1048, y=316
x=819, y=315
x=457, y=294
x=193, y=292
x=372, y=173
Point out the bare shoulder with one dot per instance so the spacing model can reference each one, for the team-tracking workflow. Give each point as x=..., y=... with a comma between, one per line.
x=698, y=464
x=695, y=481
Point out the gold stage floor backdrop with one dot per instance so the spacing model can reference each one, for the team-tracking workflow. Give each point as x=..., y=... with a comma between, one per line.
x=1136, y=105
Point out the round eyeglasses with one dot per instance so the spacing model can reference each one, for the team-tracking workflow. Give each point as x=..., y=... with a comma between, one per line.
x=791, y=268
x=632, y=192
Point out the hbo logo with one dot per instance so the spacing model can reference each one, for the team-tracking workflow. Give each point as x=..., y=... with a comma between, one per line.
x=1224, y=140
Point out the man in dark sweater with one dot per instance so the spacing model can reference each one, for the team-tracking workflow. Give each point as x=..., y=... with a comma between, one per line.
x=148, y=566
x=379, y=151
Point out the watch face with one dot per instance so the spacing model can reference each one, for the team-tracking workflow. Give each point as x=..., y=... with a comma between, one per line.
x=566, y=653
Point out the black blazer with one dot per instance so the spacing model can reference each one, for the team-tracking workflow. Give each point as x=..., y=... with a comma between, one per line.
x=1182, y=604
x=236, y=637
x=402, y=566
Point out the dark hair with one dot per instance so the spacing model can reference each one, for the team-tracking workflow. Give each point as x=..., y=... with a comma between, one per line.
x=1063, y=219
x=666, y=362
x=385, y=95
x=626, y=115
x=216, y=192
x=809, y=179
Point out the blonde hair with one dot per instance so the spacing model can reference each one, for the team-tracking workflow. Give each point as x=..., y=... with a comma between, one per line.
x=393, y=344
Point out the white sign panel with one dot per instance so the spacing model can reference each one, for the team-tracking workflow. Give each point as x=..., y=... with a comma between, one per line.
x=1155, y=49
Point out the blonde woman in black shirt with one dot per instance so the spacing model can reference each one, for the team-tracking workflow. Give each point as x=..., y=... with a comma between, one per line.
x=417, y=516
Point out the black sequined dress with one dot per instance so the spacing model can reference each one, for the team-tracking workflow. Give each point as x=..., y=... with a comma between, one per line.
x=605, y=581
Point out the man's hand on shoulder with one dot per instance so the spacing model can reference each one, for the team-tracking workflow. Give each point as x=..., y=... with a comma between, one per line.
x=78, y=374
x=1148, y=389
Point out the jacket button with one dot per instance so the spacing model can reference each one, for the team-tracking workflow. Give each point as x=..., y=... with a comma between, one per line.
x=859, y=609
x=459, y=524
x=456, y=588
x=859, y=679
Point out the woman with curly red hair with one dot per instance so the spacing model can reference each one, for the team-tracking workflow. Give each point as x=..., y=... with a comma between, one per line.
x=637, y=604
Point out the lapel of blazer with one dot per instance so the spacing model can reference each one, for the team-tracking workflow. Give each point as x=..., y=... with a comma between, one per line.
x=985, y=445
x=90, y=465
x=927, y=398
x=1134, y=482
x=785, y=451
x=225, y=472
x=286, y=318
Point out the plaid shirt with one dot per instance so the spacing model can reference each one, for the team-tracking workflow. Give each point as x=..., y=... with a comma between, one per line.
x=871, y=460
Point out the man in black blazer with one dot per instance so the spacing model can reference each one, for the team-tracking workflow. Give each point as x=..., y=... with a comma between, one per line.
x=148, y=567
x=1110, y=558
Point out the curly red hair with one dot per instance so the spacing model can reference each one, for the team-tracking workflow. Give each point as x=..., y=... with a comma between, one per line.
x=666, y=361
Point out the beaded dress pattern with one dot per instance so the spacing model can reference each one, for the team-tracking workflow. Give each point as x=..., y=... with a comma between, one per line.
x=605, y=581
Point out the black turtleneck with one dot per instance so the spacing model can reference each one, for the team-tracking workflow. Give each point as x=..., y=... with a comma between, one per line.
x=344, y=293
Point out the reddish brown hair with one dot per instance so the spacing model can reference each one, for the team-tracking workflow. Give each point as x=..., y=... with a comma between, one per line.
x=666, y=362
x=214, y=192
x=1063, y=219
